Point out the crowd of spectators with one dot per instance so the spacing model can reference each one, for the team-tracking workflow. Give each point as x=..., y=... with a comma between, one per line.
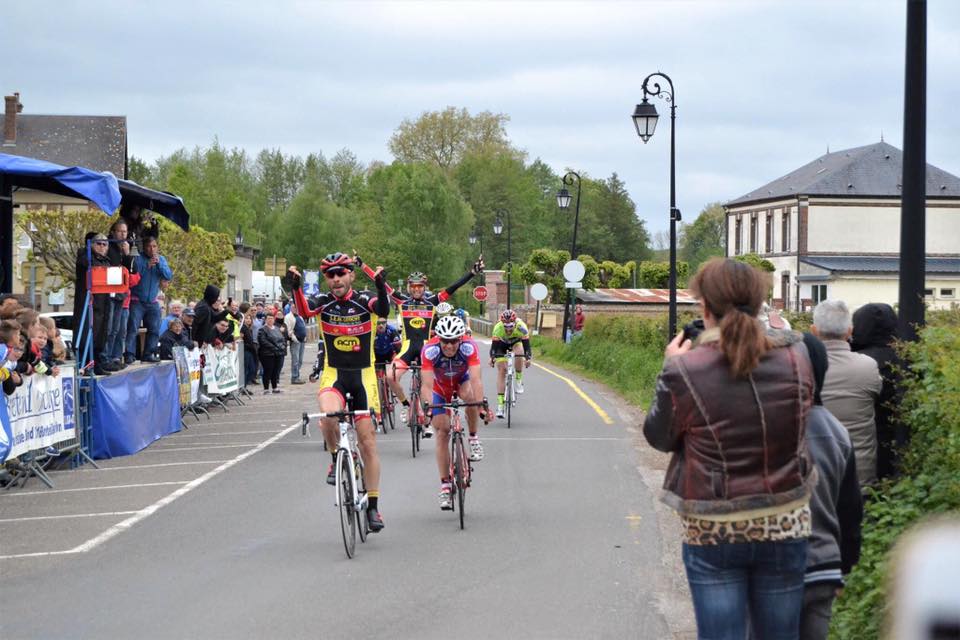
x=776, y=438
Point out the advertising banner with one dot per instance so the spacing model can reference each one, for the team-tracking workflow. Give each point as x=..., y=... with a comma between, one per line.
x=39, y=413
x=183, y=374
x=222, y=371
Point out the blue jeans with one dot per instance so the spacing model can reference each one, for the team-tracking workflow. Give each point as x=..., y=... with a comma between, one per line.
x=762, y=581
x=249, y=366
x=149, y=314
x=296, y=360
x=117, y=333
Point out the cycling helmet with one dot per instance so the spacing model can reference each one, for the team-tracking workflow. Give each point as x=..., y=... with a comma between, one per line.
x=444, y=309
x=450, y=328
x=336, y=260
x=417, y=277
x=508, y=317
x=462, y=314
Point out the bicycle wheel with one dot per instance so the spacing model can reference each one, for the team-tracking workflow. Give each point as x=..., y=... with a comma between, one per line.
x=345, y=487
x=414, y=423
x=362, y=524
x=386, y=405
x=459, y=478
x=391, y=406
x=508, y=398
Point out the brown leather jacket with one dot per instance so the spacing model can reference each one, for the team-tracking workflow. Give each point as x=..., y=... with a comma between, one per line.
x=738, y=445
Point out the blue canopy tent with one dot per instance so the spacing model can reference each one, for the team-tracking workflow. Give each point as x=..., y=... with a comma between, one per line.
x=99, y=188
x=166, y=204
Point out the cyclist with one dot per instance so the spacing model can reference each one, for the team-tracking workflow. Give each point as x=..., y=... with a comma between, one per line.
x=386, y=344
x=464, y=315
x=417, y=313
x=346, y=321
x=451, y=365
x=508, y=335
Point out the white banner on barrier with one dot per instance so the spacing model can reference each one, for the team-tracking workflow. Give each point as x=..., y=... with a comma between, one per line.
x=41, y=411
x=193, y=363
x=222, y=371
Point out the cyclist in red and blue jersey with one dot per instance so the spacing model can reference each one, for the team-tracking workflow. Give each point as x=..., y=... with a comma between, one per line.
x=346, y=322
x=418, y=316
x=451, y=366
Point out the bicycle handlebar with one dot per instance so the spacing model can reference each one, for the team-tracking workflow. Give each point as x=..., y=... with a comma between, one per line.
x=339, y=414
x=457, y=404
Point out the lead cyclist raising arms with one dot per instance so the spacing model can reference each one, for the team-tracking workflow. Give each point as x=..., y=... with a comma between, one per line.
x=346, y=322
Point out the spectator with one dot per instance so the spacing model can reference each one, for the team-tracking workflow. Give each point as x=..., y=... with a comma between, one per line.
x=272, y=347
x=836, y=506
x=192, y=305
x=578, y=320
x=140, y=225
x=176, y=311
x=732, y=411
x=260, y=312
x=152, y=268
x=100, y=308
x=223, y=335
x=297, y=333
x=874, y=334
x=119, y=254
x=249, y=350
x=234, y=318
x=8, y=305
x=186, y=318
x=852, y=385
x=54, y=351
x=207, y=315
x=174, y=337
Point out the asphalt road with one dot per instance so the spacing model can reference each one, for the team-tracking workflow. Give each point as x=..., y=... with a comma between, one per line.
x=228, y=530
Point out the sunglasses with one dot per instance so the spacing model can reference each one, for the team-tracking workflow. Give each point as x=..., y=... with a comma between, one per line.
x=450, y=340
x=100, y=244
x=333, y=273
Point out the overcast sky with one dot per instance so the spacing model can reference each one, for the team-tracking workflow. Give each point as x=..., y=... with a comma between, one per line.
x=761, y=87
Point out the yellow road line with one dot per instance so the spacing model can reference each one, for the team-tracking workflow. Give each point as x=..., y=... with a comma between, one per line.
x=593, y=405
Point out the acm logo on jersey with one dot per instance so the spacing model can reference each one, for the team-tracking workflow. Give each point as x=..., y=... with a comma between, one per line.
x=418, y=323
x=347, y=343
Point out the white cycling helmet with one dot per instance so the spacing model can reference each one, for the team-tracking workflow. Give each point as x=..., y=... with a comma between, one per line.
x=450, y=328
x=444, y=309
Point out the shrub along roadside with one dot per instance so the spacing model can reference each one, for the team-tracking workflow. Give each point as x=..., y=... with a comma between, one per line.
x=624, y=352
x=929, y=484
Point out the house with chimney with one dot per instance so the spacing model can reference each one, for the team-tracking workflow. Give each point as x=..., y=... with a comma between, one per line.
x=832, y=230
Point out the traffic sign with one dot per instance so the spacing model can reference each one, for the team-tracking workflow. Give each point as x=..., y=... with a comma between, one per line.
x=539, y=291
x=480, y=293
x=573, y=285
x=574, y=271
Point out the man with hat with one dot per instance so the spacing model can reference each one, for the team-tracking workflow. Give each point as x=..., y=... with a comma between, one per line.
x=100, y=305
x=187, y=316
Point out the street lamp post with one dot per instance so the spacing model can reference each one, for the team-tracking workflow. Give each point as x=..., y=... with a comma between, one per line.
x=474, y=239
x=563, y=201
x=645, y=120
x=497, y=230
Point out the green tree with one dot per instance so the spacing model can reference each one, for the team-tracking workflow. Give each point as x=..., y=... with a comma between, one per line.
x=56, y=236
x=656, y=275
x=443, y=137
x=704, y=237
x=140, y=172
x=197, y=258
x=754, y=260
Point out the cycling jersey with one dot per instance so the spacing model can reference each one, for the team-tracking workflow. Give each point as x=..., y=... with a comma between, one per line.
x=448, y=373
x=386, y=345
x=418, y=317
x=502, y=342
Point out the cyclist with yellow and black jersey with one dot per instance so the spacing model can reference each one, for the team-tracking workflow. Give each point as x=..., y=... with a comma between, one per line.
x=417, y=317
x=347, y=319
x=508, y=336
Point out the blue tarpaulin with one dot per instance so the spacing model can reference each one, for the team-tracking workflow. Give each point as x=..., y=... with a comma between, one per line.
x=100, y=188
x=133, y=409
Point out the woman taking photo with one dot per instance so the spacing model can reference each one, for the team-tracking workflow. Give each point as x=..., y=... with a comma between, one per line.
x=272, y=347
x=732, y=409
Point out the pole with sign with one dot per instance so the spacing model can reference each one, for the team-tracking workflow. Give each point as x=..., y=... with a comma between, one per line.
x=573, y=271
x=480, y=295
x=538, y=292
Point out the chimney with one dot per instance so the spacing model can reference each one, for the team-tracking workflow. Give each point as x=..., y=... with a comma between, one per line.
x=12, y=108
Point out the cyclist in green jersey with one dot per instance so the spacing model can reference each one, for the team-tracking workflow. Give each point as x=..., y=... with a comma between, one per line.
x=510, y=336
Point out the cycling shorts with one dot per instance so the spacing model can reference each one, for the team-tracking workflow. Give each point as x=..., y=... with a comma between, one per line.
x=361, y=384
x=499, y=350
x=410, y=356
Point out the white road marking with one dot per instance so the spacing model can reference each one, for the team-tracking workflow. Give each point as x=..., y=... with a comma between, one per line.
x=169, y=449
x=138, y=466
x=144, y=513
x=76, y=515
x=224, y=433
x=114, y=486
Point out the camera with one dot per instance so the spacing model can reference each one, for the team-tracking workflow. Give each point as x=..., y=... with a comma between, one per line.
x=692, y=330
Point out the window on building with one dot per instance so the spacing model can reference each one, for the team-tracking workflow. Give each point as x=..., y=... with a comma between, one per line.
x=785, y=230
x=785, y=289
x=231, y=286
x=947, y=293
x=737, y=236
x=769, y=232
x=928, y=293
x=753, y=233
x=819, y=293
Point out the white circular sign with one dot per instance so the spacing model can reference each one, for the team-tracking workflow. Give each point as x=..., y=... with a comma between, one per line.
x=539, y=291
x=574, y=271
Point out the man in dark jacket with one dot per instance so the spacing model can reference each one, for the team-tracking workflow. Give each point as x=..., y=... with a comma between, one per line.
x=874, y=333
x=206, y=316
x=100, y=306
x=187, y=318
x=835, y=505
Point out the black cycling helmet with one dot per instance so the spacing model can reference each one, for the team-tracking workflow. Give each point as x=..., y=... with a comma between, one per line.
x=336, y=261
x=417, y=277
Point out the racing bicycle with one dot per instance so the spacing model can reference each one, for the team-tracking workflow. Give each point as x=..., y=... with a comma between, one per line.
x=351, y=492
x=416, y=420
x=461, y=471
x=388, y=401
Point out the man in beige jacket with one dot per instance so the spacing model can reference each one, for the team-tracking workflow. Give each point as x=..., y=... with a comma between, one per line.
x=852, y=385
